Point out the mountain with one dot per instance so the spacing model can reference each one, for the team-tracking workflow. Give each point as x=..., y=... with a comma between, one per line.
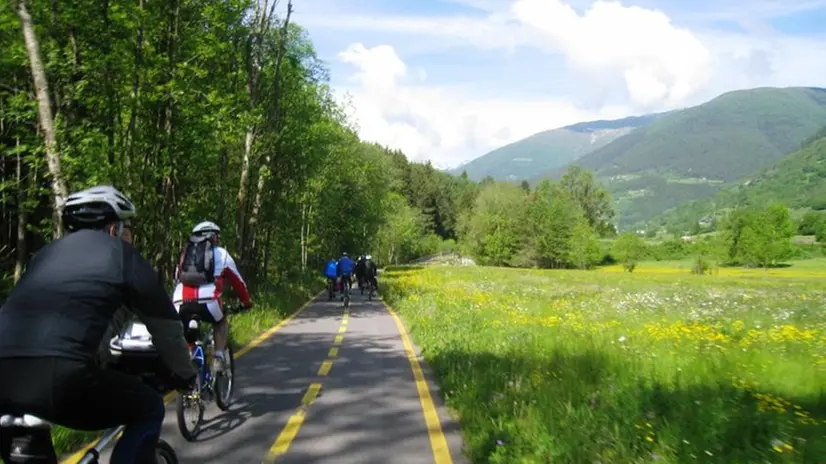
x=549, y=149
x=798, y=180
x=689, y=154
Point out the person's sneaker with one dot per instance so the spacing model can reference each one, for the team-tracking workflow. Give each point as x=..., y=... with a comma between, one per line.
x=218, y=362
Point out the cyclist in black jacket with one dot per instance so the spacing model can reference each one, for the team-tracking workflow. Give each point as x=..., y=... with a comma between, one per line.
x=55, y=318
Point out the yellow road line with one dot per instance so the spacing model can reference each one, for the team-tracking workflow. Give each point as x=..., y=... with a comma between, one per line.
x=438, y=442
x=342, y=329
x=286, y=437
x=290, y=431
x=78, y=455
x=325, y=368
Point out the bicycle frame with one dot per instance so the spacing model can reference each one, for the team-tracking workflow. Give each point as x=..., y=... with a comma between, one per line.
x=110, y=435
x=197, y=351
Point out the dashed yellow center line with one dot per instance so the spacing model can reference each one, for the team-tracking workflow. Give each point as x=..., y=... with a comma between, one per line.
x=282, y=443
x=325, y=368
x=290, y=431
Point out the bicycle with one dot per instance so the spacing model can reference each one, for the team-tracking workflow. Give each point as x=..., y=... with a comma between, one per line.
x=331, y=288
x=371, y=290
x=346, y=290
x=208, y=387
x=30, y=437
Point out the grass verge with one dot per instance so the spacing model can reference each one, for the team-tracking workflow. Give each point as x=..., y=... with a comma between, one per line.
x=578, y=366
x=271, y=306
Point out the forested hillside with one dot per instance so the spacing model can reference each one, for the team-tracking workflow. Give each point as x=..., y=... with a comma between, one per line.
x=689, y=154
x=207, y=110
x=797, y=180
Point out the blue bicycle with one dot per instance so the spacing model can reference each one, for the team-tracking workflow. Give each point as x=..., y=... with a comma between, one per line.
x=190, y=406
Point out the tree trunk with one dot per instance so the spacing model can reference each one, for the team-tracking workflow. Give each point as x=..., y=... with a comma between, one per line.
x=44, y=113
x=253, y=80
x=303, y=238
x=241, y=198
x=262, y=177
x=22, y=219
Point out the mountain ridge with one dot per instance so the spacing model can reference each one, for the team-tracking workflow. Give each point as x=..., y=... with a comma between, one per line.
x=549, y=149
x=689, y=154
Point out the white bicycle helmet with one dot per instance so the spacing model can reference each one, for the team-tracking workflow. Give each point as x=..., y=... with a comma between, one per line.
x=206, y=227
x=95, y=207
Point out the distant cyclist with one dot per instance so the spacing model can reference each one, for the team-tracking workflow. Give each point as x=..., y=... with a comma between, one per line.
x=331, y=272
x=370, y=272
x=360, y=273
x=200, y=275
x=345, y=271
x=54, y=321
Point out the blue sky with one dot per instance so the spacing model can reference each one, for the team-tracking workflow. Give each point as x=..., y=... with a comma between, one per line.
x=449, y=80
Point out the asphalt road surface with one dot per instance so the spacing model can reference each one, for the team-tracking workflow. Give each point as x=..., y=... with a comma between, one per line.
x=330, y=386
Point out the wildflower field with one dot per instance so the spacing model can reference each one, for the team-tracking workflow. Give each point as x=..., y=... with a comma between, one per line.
x=606, y=367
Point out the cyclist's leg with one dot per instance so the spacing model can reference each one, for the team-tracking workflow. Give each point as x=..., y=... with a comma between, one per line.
x=81, y=396
x=212, y=313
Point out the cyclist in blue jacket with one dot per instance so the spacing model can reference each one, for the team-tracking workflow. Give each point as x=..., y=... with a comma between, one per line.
x=331, y=272
x=345, y=270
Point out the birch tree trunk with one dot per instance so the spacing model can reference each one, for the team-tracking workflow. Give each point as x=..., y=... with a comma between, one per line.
x=44, y=113
x=22, y=219
x=265, y=166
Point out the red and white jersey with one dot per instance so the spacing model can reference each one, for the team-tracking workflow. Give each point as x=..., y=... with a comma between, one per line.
x=225, y=270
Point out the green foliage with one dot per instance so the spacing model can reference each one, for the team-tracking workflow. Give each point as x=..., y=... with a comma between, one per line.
x=629, y=250
x=759, y=237
x=556, y=225
x=493, y=230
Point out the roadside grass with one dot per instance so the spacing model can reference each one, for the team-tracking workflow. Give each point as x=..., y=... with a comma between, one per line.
x=272, y=305
x=598, y=367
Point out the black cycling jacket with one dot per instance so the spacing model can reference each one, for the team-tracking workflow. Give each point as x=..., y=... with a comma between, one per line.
x=69, y=293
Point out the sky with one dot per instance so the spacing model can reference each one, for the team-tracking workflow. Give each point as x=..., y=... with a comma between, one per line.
x=450, y=80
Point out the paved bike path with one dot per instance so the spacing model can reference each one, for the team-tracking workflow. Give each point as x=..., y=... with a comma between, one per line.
x=367, y=408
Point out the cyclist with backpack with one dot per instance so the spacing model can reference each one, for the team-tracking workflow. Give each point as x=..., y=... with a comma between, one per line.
x=331, y=272
x=203, y=269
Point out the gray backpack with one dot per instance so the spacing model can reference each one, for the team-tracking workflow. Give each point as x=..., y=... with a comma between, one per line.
x=197, y=262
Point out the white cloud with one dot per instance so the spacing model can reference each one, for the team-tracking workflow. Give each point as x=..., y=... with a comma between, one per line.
x=442, y=123
x=620, y=59
x=661, y=65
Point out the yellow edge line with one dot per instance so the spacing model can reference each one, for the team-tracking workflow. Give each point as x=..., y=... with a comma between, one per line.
x=285, y=438
x=438, y=442
x=78, y=455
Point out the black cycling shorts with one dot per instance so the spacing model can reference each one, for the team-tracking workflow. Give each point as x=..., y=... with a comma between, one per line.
x=189, y=309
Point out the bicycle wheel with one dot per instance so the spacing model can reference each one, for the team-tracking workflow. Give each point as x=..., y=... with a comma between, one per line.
x=225, y=381
x=190, y=426
x=164, y=454
x=346, y=296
